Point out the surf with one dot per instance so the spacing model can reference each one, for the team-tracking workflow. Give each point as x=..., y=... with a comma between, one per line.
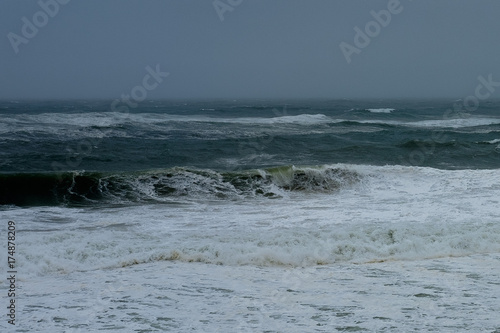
x=88, y=188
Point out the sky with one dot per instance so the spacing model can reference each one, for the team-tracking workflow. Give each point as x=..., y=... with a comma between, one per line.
x=84, y=49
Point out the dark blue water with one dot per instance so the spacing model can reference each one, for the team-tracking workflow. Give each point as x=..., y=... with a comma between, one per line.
x=45, y=145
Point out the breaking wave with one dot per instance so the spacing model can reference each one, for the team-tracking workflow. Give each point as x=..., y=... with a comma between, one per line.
x=80, y=188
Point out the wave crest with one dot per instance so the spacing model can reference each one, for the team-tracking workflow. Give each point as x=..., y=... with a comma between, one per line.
x=80, y=188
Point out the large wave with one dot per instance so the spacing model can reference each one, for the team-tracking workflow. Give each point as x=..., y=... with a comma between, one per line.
x=80, y=188
x=363, y=214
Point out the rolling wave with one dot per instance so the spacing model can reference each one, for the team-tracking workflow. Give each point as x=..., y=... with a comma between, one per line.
x=81, y=188
x=104, y=123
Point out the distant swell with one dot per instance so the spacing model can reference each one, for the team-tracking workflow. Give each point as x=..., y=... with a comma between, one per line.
x=81, y=188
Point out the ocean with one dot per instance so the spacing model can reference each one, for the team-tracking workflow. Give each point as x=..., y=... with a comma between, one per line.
x=251, y=216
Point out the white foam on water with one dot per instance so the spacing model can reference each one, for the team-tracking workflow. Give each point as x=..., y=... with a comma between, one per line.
x=456, y=123
x=162, y=126
x=104, y=119
x=445, y=295
x=394, y=213
x=383, y=110
x=439, y=123
x=297, y=119
x=422, y=242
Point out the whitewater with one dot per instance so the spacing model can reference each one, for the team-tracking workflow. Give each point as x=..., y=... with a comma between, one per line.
x=313, y=220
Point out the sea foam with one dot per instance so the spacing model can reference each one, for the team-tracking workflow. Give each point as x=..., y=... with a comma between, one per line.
x=392, y=213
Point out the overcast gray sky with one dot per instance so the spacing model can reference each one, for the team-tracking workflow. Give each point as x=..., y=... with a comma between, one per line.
x=261, y=48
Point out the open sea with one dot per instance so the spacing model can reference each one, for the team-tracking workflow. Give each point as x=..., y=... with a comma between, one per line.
x=252, y=216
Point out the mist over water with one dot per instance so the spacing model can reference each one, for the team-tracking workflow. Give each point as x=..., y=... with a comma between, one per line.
x=254, y=49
